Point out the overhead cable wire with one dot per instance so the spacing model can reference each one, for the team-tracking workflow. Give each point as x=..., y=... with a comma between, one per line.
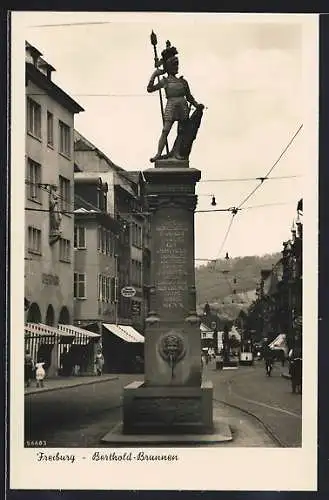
x=231, y=209
x=262, y=179
x=242, y=179
x=61, y=25
x=227, y=233
x=93, y=95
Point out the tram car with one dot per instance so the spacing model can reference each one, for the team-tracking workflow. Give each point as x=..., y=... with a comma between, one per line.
x=246, y=353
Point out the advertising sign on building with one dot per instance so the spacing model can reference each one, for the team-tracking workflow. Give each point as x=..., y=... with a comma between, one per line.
x=128, y=291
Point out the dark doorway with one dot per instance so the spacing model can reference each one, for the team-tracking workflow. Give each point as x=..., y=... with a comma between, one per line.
x=50, y=316
x=34, y=314
x=64, y=316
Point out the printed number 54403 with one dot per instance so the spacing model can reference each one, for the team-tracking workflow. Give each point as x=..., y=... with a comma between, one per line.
x=35, y=443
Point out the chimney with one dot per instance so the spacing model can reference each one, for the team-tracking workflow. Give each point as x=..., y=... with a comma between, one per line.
x=32, y=53
x=45, y=68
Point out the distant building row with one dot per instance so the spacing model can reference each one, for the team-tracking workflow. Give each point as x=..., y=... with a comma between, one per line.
x=278, y=307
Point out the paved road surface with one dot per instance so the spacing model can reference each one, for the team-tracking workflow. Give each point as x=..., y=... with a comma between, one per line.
x=80, y=416
x=269, y=398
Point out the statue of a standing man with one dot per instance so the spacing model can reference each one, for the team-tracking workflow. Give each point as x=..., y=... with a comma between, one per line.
x=178, y=98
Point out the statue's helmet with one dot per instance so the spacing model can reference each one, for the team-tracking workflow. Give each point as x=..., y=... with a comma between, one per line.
x=169, y=58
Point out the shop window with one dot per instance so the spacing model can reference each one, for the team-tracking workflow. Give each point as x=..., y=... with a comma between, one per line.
x=64, y=250
x=34, y=240
x=64, y=139
x=65, y=194
x=80, y=286
x=50, y=129
x=114, y=289
x=103, y=244
x=105, y=288
x=33, y=181
x=33, y=115
x=99, y=288
x=79, y=237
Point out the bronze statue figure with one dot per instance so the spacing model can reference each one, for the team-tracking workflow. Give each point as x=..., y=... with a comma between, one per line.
x=179, y=102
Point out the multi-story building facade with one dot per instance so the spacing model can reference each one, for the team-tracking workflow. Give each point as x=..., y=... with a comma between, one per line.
x=109, y=219
x=95, y=247
x=49, y=221
x=134, y=248
x=124, y=202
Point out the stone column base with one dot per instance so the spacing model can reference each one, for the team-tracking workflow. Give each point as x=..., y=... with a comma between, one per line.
x=167, y=410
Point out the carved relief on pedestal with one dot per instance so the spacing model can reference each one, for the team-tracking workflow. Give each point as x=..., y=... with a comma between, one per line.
x=172, y=349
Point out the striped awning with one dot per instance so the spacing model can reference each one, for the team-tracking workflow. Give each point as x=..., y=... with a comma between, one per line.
x=124, y=332
x=204, y=328
x=37, y=330
x=278, y=342
x=78, y=332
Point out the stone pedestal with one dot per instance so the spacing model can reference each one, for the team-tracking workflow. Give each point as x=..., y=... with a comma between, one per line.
x=163, y=410
x=172, y=399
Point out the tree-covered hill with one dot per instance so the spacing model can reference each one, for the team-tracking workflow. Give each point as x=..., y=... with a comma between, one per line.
x=230, y=285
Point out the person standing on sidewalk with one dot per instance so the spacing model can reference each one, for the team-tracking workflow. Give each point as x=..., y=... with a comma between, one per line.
x=28, y=368
x=40, y=373
x=99, y=362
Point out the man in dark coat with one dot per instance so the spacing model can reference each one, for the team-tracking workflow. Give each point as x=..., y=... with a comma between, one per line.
x=296, y=371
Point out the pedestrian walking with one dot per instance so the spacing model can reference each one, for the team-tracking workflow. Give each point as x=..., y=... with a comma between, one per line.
x=28, y=368
x=40, y=373
x=99, y=362
x=269, y=359
x=295, y=370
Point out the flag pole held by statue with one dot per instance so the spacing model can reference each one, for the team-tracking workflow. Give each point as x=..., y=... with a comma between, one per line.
x=154, y=42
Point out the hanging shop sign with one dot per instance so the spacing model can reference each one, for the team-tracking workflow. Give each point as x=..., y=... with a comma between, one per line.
x=128, y=291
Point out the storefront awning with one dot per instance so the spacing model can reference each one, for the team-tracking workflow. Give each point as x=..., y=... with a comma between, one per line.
x=126, y=333
x=134, y=333
x=278, y=342
x=37, y=330
x=204, y=328
x=79, y=333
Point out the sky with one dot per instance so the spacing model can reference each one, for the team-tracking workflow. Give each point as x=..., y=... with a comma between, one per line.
x=247, y=70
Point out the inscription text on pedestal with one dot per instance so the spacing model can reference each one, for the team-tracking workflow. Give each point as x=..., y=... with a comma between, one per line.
x=171, y=275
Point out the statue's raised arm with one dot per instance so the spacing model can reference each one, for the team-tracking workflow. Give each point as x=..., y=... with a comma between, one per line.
x=179, y=101
x=153, y=87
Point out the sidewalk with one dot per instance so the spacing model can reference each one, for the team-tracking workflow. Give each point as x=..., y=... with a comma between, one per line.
x=53, y=384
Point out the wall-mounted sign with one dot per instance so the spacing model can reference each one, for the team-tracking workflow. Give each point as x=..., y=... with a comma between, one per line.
x=136, y=307
x=50, y=279
x=128, y=291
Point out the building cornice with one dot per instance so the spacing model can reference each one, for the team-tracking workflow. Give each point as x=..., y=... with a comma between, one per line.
x=41, y=80
x=101, y=218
